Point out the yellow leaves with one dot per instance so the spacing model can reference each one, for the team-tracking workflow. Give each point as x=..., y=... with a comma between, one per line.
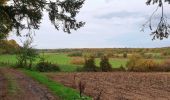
x=136, y=63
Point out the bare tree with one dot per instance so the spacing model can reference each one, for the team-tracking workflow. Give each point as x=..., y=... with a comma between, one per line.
x=163, y=28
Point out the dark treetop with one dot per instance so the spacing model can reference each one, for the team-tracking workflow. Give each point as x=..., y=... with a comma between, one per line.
x=17, y=15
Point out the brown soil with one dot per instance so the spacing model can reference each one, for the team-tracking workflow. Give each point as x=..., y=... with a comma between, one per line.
x=14, y=85
x=120, y=85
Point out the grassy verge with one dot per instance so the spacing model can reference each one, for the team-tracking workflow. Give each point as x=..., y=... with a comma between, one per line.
x=13, y=87
x=60, y=90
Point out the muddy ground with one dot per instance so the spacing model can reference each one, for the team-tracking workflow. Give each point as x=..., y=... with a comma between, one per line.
x=14, y=85
x=119, y=85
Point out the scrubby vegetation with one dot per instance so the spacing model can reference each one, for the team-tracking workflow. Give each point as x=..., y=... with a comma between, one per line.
x=47, y=67
x=77, y=61
x=138, y=64
x=60, y=90
x=105, y=66
x=26, y=55
x=120, y=61
x=90, y=64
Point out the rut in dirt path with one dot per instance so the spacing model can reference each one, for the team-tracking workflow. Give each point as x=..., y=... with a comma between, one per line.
x=14, y=85
x=3, y=85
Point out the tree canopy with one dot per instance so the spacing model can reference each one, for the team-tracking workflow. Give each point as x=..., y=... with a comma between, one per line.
x=17, y=15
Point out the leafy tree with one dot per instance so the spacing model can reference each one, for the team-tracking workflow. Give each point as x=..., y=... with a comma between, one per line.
x=163, y=28
x=105, y=66
x=27, y=54
x=8, y=46
x=89, y=64
x=17, y=15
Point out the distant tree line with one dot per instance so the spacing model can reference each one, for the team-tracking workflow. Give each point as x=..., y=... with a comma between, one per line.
x=111, y=52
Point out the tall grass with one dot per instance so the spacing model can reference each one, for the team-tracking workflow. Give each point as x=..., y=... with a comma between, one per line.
x=60, y=90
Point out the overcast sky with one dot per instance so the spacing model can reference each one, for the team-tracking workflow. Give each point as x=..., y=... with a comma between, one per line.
x=109, y=24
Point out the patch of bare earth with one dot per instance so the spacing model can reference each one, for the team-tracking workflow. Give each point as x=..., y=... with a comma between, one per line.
x=14, y=85
x=119, y=85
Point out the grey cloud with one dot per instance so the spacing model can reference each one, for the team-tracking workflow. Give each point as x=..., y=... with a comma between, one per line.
x=122, y=14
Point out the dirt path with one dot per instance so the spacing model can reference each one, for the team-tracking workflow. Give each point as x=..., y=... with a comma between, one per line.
x=3, y=85
x=14, y=85
x=120, y=86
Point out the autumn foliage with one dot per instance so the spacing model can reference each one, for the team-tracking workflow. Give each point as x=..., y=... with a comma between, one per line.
x=77, y=61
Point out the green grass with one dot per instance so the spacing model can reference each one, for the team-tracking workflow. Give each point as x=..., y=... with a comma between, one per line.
x=57, y=58
x=11, y=59
x=64, y=61
x=60, y=90
x=61, y=59
x=12, y=85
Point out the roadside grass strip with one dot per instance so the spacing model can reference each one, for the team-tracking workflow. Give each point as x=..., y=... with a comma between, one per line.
x=64, y=93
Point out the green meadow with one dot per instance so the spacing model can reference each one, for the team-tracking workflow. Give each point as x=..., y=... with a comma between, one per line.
x=64, y=61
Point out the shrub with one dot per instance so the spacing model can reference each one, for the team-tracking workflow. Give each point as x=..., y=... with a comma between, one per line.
x=77, y=61
x=136, y=63
x=165, y=66
x=133, y=61
x=105, y=66
x=47, y=67
x=90, y=65
x=26, y=54
x=145, y=65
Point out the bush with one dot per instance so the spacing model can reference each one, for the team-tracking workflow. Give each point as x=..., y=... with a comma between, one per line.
x=146, y=65
x=47, y=67
x=77, y=61
x=136, y=63
x=125, y=55
x=90, y=65
x=133, y=61
x=105, y=66
x=165, y=66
